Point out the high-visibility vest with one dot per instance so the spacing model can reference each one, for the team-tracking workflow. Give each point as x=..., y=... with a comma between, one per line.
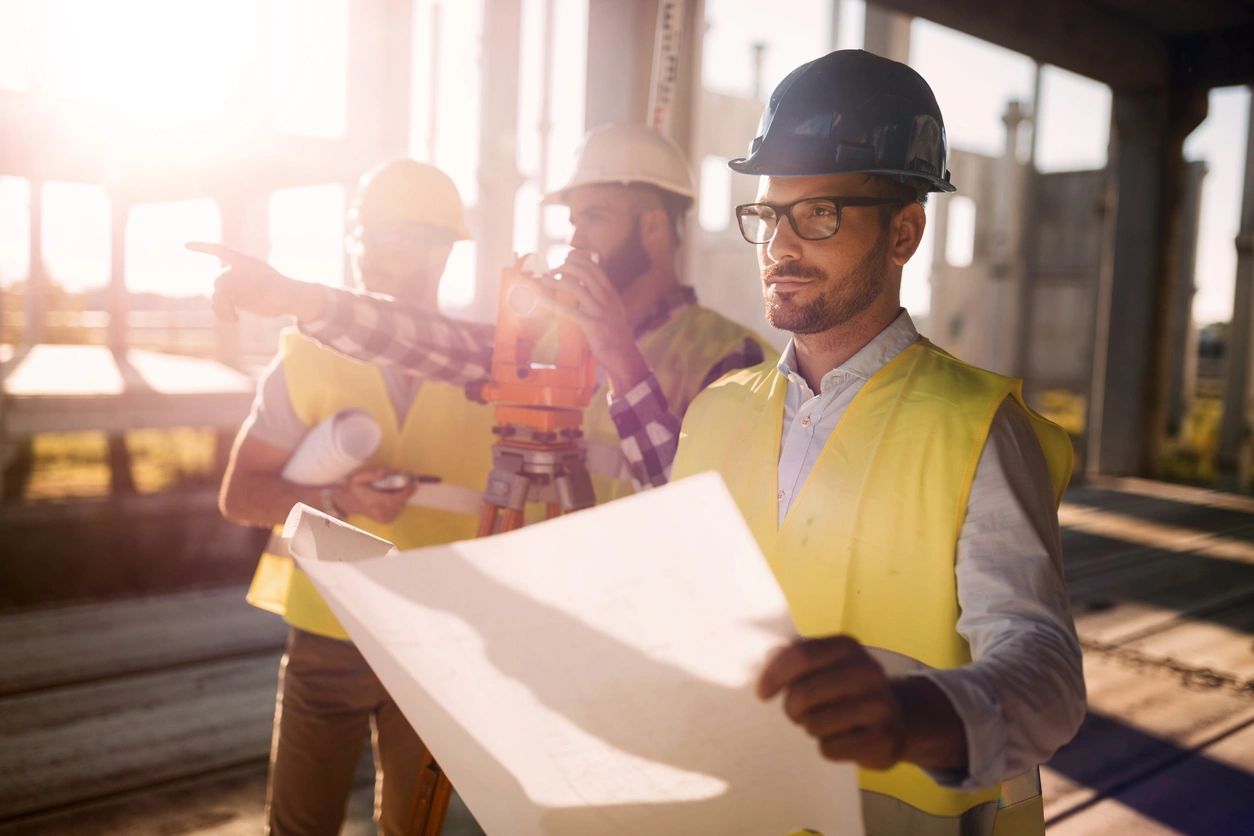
x=681, y=353
x=443, y=434
x=868, y=546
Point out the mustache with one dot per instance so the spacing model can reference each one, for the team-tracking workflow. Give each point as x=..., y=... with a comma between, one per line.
x=791, y=270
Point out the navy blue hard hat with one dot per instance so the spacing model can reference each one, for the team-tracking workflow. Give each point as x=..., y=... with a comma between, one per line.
x=851, y=112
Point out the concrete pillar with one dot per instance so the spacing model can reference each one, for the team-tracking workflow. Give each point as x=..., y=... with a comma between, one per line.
x=1233, y=464
x=245, y=227
x=1005, y=269
x=119, y=302
x=379, y=54
x=1182, y=334
x=35, y=297
x=1127, y=407
x=620, y=59
x=498, y=174
x=887, y=33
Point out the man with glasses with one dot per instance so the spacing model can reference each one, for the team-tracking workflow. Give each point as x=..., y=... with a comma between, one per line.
x=403, y=224
x=906, y=501
x=656, y=347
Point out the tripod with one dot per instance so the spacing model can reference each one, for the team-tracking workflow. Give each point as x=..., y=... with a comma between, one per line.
x=538, y=456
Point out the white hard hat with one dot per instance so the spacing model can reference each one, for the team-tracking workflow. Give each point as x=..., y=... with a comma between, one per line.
x=628, y=153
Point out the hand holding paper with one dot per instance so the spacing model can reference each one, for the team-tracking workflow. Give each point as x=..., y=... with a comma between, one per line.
x=594, y=674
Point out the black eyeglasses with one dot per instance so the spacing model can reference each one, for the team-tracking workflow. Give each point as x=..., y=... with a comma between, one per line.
x=812, y=218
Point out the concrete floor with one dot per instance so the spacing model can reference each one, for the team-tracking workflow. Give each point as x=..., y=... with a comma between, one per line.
x=116, y=721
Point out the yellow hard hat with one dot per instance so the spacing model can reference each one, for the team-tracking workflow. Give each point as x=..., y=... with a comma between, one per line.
x=628, y=153
x=406, y=190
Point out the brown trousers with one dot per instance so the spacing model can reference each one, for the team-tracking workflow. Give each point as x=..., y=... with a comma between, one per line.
x=328, y=701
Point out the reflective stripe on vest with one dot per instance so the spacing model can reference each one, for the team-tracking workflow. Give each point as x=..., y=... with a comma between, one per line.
x=442, y=434
x=885, y=500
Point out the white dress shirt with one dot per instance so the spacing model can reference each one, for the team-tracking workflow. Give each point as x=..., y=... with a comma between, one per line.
x=1023, y=695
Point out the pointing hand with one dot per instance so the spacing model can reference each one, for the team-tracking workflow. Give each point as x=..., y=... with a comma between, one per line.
x=250, y=284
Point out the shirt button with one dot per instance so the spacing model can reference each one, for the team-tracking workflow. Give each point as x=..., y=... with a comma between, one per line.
x=805, y=420
x=779, y=495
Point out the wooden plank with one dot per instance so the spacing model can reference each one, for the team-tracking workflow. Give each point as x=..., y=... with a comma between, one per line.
x=1143, y=596
x=228, y=803
x=31, y=415
x=1131, y=488
x=83, y=742
x=172, y=374
x=64, y=371
x=1222, y=641
x=1233, y=543
x=1197, y=519
x=66, y=645
x=67, y=388
x=1209, y=792
x=1114, y=622
x=1140, y=720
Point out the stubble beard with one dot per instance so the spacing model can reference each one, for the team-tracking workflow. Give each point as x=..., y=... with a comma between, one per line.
x=628, y=262
x=841, y=300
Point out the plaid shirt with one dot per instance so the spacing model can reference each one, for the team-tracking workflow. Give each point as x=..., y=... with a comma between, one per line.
x=381, y=330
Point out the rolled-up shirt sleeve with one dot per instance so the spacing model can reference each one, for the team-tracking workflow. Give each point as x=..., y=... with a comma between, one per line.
x=273, y=417
x=648, y=425
x=1022, y=696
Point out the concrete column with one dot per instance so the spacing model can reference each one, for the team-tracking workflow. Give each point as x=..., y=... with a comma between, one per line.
x=35, y=297
x=119, y=303
x=498, y=174
x=1182, y=334
x=887, y=33
x=245, y=227
x=379, y=72
x=1126, y=410
x=620, y=60
x=1233, y=464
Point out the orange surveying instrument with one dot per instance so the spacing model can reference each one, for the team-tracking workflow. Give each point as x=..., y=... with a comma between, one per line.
x=539, y=454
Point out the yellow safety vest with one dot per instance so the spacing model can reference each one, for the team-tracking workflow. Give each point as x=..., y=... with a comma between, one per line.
x=681, y=353
x=443, y=435
x=868, y=546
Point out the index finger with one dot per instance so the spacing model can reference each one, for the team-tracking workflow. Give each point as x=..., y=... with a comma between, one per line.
x=221, y=251
x=802, y=658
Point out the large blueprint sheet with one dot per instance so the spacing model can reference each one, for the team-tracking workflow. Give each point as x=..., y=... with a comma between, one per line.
x=593, y=674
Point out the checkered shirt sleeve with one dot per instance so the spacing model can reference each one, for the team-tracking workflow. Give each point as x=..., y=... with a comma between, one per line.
x=381, y=330
x=648, y=430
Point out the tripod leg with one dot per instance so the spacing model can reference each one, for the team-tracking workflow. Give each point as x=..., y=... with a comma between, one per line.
x=511, y=519
x=431, y=799
x=487, y=520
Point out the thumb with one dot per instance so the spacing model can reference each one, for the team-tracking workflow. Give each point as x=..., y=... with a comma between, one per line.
x=366, y=474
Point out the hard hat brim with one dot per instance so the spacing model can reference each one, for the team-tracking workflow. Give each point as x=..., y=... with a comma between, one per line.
x=748, y=165
x=560, y=197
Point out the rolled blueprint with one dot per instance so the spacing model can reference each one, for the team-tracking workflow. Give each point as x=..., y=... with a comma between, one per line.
x=334, y=448
x=320, y=537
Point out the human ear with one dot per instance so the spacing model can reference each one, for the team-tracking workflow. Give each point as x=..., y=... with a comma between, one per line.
x=655, y=232
x=906, y=232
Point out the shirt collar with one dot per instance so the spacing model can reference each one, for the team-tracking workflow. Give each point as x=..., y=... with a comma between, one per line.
x=681, y=297
x=899, y=335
